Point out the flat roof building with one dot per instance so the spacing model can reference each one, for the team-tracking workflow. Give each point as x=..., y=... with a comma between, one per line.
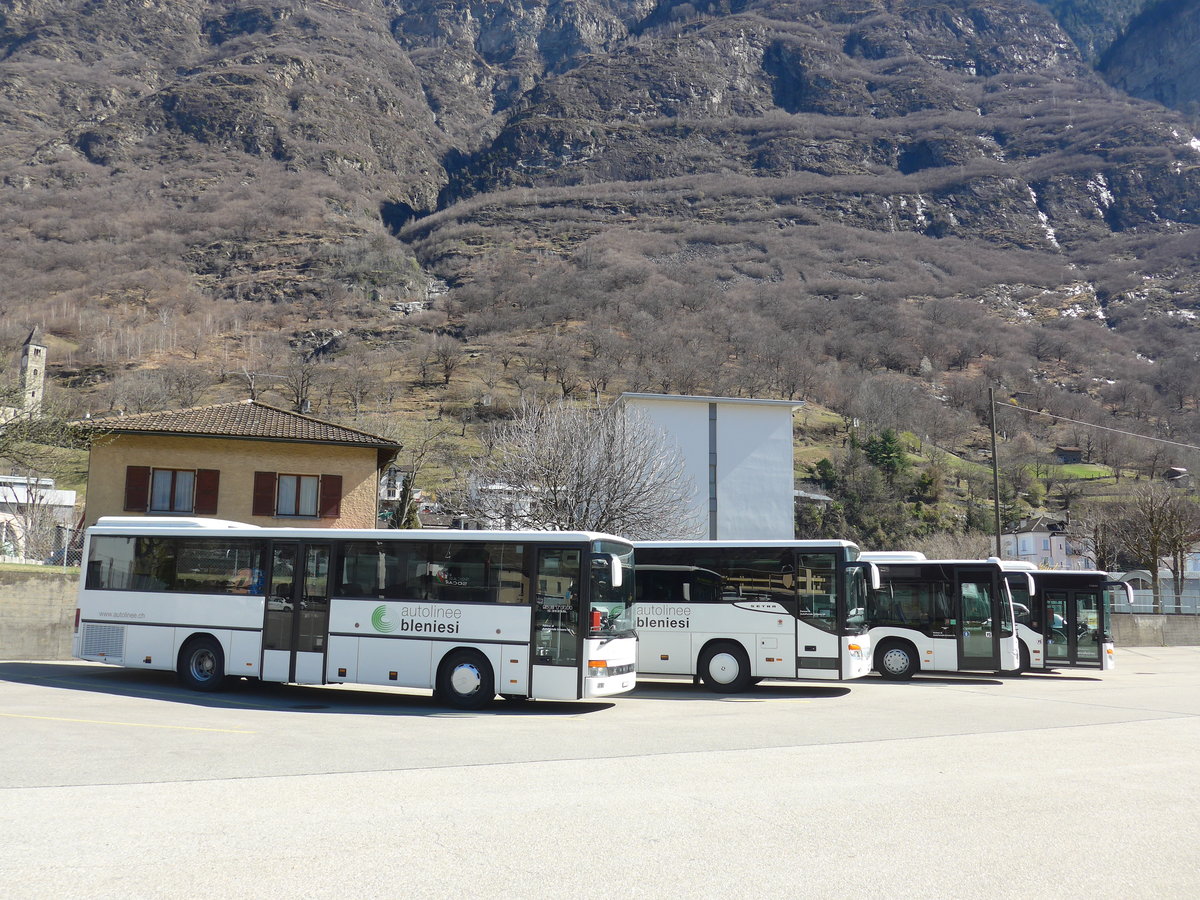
x=738, y=453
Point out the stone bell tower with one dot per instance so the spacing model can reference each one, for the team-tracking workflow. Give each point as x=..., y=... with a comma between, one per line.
x=33, y=372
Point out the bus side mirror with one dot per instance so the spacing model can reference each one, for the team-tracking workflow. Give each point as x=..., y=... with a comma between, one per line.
x=873, y=578
x=612, y=562
x=871, y=573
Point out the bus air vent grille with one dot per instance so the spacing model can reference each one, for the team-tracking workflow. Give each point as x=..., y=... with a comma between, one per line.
x=104, y=640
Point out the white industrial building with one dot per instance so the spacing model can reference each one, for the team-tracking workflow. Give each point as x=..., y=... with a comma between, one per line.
x=738, y=454
x=35, y=517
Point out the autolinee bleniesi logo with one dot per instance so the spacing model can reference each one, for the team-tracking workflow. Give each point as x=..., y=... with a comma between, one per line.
x=381, y=622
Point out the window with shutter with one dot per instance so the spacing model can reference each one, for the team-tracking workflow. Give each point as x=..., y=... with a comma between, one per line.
x=137, y=488
x=331, y=496
x=208, y=482
x=264, y=494
x=172, y=490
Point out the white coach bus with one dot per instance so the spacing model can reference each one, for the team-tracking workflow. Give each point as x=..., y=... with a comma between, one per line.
x=470, y=614
x=731, y=613
x=930, y=615
x=1063, y=616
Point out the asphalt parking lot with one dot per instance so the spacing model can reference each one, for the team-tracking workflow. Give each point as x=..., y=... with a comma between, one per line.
x=117, y=783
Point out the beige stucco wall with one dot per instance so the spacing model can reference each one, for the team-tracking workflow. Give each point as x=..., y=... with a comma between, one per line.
x=237, y=461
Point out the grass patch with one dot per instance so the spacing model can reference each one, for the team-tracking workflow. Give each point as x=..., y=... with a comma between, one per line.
x=33, y=568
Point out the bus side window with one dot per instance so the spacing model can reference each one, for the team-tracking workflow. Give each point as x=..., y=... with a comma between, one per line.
x=405, y=571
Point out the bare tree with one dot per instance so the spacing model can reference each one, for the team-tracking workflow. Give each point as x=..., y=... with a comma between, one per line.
x=1183, y=532
x=954, y=545
x=36, y=515
x=357, y=377
x=298, y=379
x=447, y=353
x=421, y=447
x=1157, y=524
x=1094, y=530
x=584, y=468
x=185, y=384
x=27, y=436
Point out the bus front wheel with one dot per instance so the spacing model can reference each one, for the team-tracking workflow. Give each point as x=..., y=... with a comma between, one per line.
x=202, y=664
x=896, y=660
x=724, y=668
x=465, y=680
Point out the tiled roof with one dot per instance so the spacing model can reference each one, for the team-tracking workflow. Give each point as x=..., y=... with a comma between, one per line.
x=242, y=419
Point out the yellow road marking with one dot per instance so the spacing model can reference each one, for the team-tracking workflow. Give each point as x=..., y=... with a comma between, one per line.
x=130, y=724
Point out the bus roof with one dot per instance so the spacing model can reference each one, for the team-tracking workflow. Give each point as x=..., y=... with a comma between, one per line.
x=931, y=562
x=772, y=545
x=148, y=525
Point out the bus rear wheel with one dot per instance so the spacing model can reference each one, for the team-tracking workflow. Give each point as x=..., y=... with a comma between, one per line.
x=465, y=680
x=202, y=664
x=896, y=660
x=724, y=668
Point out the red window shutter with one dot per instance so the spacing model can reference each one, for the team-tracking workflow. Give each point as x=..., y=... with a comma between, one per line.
x=207, y=483
x=137, y=488
x=264, y=494
x=331, y=496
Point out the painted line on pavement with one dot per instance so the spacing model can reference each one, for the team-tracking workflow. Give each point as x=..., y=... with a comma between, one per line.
x=129, y=724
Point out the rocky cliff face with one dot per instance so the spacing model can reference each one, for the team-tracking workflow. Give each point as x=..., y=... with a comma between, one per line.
x=293, y=126
x=1093, y=24
x=1158, y=57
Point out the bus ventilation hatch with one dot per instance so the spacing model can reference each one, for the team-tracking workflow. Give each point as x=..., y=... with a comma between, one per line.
x=104, y=640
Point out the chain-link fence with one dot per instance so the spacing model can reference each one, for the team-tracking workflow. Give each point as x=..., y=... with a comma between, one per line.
x=51, y=545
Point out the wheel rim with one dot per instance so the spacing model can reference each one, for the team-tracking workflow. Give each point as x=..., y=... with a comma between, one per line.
x=465, y=680
x=896, y=661
x=723, y=668
x=203, y=665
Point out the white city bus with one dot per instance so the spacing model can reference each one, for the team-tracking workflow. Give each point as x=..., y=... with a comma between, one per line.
x=1063, y=616
x=940, y=616
x=731, y=613
x=470, y=614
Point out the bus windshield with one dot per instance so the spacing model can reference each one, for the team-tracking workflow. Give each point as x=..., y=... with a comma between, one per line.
x=611, y=590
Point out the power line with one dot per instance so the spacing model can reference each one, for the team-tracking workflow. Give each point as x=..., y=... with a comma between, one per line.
x=1134, y=434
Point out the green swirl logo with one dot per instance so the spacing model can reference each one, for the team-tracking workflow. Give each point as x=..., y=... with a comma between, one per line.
x=381, y=622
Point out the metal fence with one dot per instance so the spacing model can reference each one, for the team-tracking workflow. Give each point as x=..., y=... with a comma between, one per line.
x=58, y=546
x=1187, y=604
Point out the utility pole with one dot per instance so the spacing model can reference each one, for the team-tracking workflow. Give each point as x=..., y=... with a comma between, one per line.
x=995, y=469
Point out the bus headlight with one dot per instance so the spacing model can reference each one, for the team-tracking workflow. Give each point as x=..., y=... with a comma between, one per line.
x=599, y=668
x=855, y=650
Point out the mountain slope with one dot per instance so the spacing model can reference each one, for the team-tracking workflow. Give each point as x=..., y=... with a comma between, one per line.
x=773, y=197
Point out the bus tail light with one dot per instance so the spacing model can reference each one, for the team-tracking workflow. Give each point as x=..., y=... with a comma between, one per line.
x=77, y=620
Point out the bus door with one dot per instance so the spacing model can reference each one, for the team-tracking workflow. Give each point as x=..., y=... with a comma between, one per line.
x=297, y=616
x=1076, y=627
x=979, y=620
x=557, y=635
